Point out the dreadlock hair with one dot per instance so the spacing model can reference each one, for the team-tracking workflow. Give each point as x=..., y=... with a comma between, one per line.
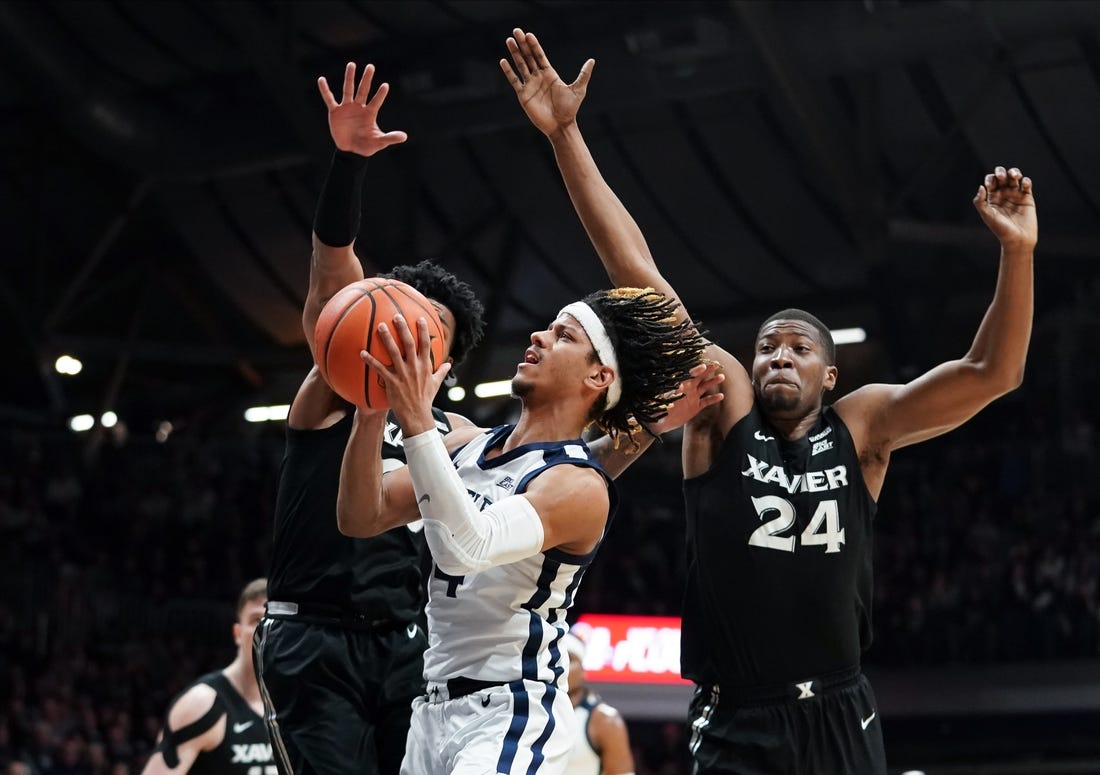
x=655, y=353
x=437, y=283
x=253, y=590
x=822, y=330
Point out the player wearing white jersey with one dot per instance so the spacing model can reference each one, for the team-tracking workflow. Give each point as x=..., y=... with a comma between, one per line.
x=513, y=516
x=602, y=745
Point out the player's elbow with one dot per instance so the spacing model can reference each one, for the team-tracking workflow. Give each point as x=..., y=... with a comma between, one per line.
x=1005, y=379
x=355, y=522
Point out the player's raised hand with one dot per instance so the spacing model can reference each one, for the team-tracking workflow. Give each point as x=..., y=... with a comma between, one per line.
x=548, y=101
x=353, y=121
x=1007, y=205
x=699, y=392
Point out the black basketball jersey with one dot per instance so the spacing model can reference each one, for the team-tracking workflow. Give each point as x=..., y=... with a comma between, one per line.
x=312, y=562
x=779, y=557
x=245, y=749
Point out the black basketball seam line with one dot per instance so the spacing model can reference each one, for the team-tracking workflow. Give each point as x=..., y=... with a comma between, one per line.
x=370, y=339
x=414, y=300
x=332, y=332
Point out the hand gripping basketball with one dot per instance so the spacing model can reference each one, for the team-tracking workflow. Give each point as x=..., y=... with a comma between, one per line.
x=349, y=323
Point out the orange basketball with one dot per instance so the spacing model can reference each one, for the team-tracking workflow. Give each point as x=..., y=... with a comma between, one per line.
x=349, y=323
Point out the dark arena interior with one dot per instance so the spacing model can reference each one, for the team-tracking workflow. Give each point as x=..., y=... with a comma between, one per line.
x=162, y=161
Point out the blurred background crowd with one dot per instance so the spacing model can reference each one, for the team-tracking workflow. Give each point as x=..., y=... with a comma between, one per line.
x=119, y=575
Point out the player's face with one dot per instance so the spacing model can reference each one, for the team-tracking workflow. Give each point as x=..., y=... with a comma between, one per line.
x=559, y=358
x=245, y=627
x=789, y=371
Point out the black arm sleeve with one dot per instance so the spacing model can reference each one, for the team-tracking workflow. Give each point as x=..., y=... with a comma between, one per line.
x=339, y=207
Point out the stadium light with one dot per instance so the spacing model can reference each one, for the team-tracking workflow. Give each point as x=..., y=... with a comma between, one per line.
x=502, y=387
x=848, y=335
x=68, y=365
x=108, y=420
x=267, y=413
x=81, y=423
x=457, y=393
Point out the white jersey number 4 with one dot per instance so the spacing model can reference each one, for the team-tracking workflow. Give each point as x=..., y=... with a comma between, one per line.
x=824, y=528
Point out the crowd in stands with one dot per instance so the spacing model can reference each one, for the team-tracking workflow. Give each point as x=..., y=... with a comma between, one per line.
x=119, y=577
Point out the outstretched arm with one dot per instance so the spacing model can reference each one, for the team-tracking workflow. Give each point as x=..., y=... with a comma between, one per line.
x=552, y=106
x=353, y=123
x=891, y=416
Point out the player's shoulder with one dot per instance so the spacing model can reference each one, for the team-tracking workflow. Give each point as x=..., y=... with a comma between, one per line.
x=462, y=435
x=458, y=421
x=603, y=717
x=194, y=703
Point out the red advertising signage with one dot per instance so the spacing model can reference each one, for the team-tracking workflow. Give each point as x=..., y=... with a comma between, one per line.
x=630, y=649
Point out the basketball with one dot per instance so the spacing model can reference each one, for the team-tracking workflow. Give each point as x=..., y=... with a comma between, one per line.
x=349, y=323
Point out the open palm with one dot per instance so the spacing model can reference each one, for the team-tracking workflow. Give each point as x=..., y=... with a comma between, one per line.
x=548, y=101
x=353, y=122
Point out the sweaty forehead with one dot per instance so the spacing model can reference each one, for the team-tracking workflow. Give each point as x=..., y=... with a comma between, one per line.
x=789, y=328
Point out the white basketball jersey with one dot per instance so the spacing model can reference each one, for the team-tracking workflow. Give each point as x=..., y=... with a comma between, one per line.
x=584, y=760
x=505, y=623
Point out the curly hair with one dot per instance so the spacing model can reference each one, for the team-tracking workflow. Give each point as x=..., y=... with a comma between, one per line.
x=655, y=353
x=437, y=283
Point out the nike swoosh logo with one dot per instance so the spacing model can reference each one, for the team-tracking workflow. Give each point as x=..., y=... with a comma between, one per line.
x=865, y=722
x=485, y=701
x=238, y=728
x=425, y=498
x=411, y=631
x=761, y=437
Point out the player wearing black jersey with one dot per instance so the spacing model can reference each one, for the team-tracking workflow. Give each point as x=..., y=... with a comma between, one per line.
x=339, y=654
x=781, y=489
x=215, y=726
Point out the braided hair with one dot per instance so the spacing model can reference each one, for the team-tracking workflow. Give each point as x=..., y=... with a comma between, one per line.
x=655, y=353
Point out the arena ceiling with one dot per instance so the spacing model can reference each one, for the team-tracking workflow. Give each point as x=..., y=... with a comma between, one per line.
x=162, y=160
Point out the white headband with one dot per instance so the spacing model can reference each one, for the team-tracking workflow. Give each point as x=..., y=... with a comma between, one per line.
x=601, y=343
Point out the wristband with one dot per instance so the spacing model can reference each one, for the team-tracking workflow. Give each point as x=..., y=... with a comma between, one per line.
x=339, y=208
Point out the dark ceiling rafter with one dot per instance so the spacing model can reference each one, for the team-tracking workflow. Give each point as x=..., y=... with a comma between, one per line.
x=109, y=121
x=251, y=248
x=1044, y=131
x=832, y=151
x=206, y=319
x=123, y=357
x=658, y=203
x=475, y=370
x=160, y=43
x=778, y=133
x=269, y=46
x=195, y=114
x=461, y=240
x=950, y=123
x=75, y=41
x=302, y=220
x=105, y=242
x=362, y=9
x=736, y=202
x=503, y=205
